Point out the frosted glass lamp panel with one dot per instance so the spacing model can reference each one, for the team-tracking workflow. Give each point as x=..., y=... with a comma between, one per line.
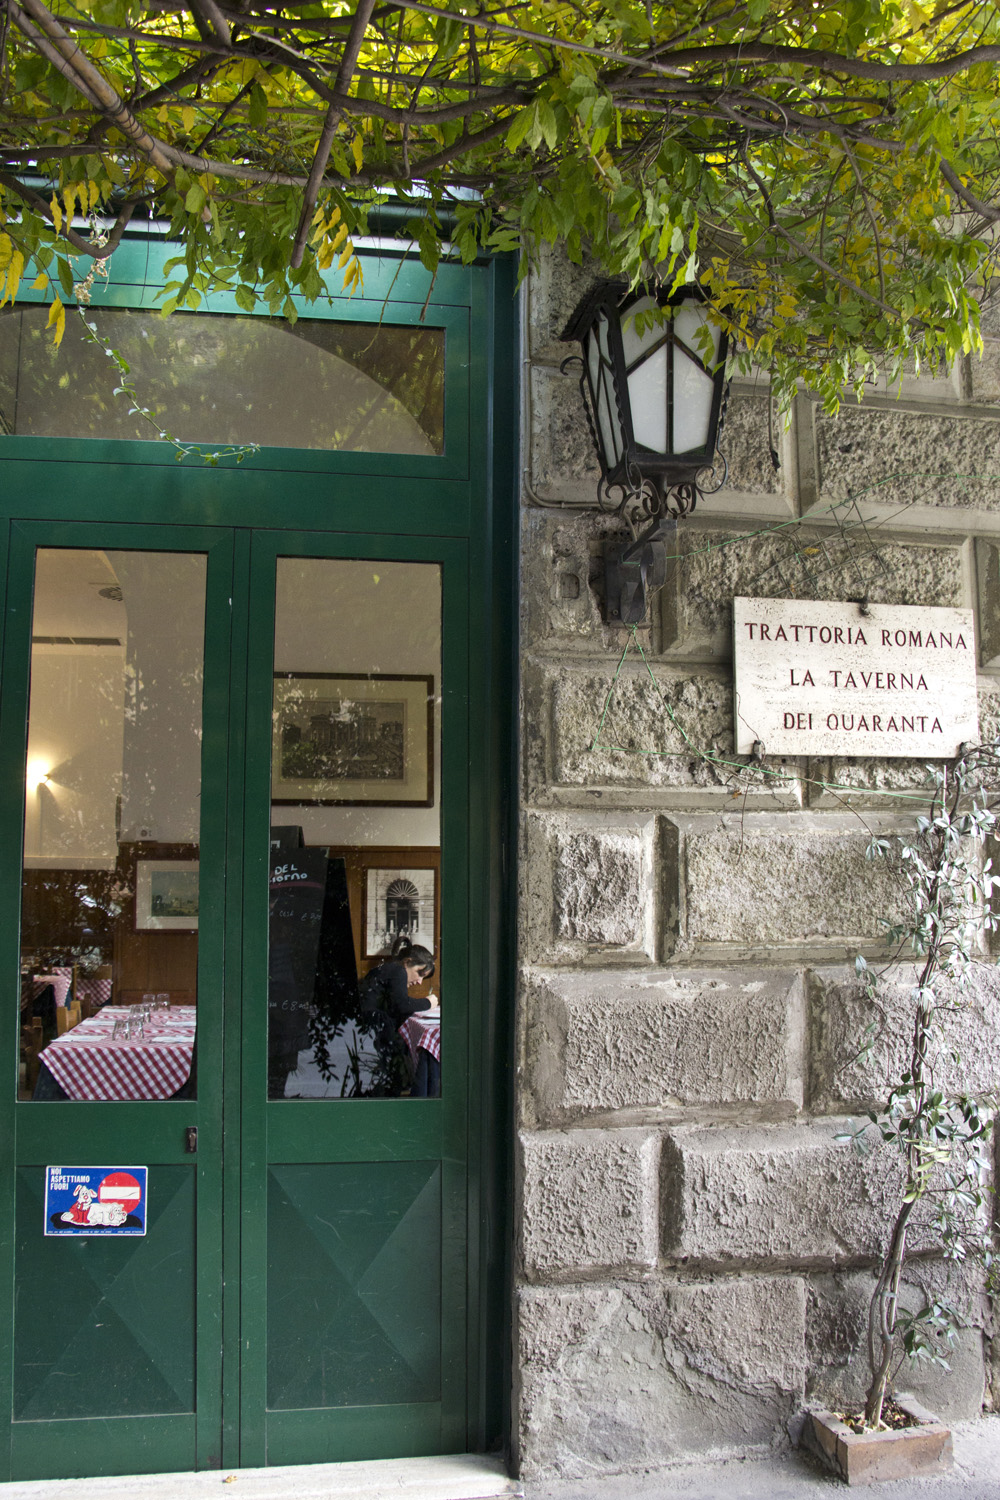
x=688, y=320
x=635, y=344
x=607, y=419
x=602, y=338
x=647, y=393
x=593, y=359
x=693, y=393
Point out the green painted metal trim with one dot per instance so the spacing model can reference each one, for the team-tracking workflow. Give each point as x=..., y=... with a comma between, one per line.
x=354, y=1432
x=490, y=1418
x=82, y=486
x=152, y=1445
x=11, y=820
x=234, y=1145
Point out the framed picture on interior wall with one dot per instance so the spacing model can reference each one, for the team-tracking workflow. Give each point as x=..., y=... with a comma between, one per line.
x=166, y=895
x=399, y=902
x=352, y=739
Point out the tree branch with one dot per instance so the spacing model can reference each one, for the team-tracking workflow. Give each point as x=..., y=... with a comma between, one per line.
x=804, y=250
x=334, y=115
x=208, y=14
x=951, y=177
x=557, y=44
x=827, y=62
x=74, y=64
x=68, y=233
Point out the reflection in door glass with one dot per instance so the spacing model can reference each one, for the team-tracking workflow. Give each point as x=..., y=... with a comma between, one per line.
x=218, y=380
x=355, y=954
x=109, y=909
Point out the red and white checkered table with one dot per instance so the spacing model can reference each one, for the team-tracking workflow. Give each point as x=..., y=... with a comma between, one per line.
x=88, y=1064
x=421, y=1031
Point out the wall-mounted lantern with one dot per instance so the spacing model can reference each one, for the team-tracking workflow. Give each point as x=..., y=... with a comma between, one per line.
x=654, y=389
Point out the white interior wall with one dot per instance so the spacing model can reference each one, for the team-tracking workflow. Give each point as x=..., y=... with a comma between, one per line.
x=127, y=720
x=164, y=598
x=75, y=744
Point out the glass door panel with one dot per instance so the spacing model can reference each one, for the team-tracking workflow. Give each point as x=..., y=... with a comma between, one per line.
x=354, y=956
x=109, y=907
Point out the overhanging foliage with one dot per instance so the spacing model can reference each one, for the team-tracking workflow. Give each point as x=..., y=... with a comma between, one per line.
x=828, y=170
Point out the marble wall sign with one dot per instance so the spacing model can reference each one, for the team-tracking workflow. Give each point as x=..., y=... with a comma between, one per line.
x=823, y=679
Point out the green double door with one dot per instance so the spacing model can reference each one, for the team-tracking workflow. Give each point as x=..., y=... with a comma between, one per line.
x=247, y=771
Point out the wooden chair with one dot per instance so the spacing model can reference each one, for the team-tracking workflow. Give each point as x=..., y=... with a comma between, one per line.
x=32, y=1042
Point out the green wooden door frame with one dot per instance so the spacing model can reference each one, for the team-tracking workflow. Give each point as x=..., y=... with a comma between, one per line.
x=463, y=499
x=75, y=1132
x=370, y=1131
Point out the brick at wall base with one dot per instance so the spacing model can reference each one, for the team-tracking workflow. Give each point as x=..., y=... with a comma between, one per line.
x=869, y=1457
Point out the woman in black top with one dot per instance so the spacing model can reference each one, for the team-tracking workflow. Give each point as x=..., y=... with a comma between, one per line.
x=387, y=987
x=386, y=1001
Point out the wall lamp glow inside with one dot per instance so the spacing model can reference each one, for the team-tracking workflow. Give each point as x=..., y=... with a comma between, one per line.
x=38, y=776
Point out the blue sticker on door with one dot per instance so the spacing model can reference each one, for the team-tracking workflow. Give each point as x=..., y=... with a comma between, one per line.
x=95, y=1200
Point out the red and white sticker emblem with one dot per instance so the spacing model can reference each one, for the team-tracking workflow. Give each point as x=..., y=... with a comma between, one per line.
x=120, y=1187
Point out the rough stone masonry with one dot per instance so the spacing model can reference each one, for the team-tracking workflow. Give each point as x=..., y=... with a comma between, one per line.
x=695, y=1247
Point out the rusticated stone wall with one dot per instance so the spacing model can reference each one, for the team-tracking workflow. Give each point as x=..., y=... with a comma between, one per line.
x=695, y=1246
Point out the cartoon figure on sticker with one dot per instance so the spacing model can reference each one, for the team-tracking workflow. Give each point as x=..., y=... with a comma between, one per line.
x=87, y=1210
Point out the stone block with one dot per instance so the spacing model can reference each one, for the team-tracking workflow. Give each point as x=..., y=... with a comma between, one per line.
x=589, y=1200
x=920, y=457
x=984, y=373
x=588, y=881
x=666, y=737
x=839, y=1018
x=712, y=566
x=663, y=1040
x=988, y=616
x=564, y=463
x=837, y=1331
x=766, y=1194
x=625, y=1377
x=775, y=882
x=989, y=714
x=744, y=441
x=554, y=288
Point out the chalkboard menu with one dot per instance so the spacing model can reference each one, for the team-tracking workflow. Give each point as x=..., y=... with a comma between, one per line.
x=312, y=973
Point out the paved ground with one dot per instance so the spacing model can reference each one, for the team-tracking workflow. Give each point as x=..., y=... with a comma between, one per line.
x=787, y=1476
x=791, y=1476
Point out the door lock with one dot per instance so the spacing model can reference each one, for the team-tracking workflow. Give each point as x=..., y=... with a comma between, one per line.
x=191, y=1138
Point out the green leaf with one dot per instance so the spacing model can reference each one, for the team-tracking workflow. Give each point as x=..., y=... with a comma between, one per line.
x=257, y=107
x=523, y=123
x=547, y=122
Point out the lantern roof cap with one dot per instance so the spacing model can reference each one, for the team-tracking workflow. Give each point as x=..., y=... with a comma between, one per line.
x=610, y=293
x=602, y=294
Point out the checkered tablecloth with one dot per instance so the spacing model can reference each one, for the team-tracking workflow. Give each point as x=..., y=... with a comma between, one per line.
x=59, y=979
x=420, y=1031
x=89, y=1065
x=98, y=991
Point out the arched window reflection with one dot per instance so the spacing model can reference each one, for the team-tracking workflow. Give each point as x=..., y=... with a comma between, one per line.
x=227, y=380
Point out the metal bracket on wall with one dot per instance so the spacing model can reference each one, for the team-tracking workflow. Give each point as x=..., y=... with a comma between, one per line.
x=633, y=571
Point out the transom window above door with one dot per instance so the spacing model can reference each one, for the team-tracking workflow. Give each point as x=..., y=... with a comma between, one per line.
x=319, y=384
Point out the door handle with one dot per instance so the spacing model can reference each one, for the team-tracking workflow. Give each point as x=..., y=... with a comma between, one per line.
x=191, y=1138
